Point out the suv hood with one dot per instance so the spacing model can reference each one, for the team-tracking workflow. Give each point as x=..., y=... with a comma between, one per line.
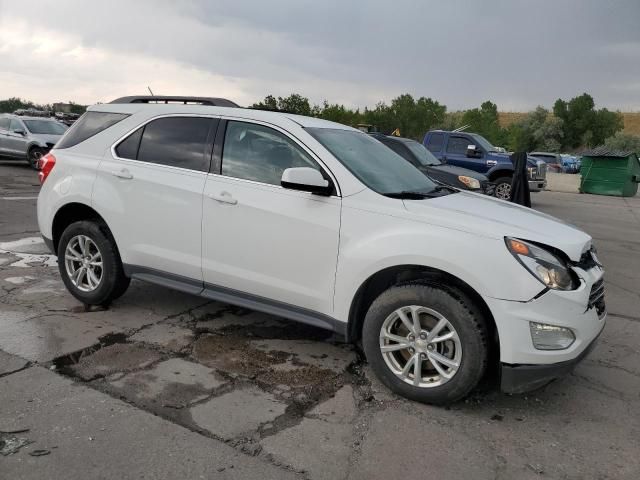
x=44, y=138
x=454, y=170
x=506, y=158
x=490, y=217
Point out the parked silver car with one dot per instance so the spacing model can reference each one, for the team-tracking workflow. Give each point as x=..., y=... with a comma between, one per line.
x=28, y=137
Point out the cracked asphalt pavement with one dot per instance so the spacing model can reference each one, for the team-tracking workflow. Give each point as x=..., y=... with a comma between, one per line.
x=167, y=385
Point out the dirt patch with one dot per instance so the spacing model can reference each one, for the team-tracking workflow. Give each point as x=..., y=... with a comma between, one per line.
x=114, y=359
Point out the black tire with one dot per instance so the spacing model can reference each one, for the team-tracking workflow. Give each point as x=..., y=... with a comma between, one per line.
x=33, y=156
x=462, y=314
x=114, y=282
x=504, y=181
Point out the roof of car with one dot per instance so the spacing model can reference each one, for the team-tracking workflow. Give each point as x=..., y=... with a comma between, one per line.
x=393, y=137
x=25, y=117
x=247, y=113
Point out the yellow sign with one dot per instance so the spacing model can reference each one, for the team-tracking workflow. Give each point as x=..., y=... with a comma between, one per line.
x=396, y=132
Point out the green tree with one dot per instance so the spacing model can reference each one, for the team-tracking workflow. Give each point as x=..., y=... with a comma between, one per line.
x=484, y=121
x=294, y=103
x=624, y=142
x=583, y=125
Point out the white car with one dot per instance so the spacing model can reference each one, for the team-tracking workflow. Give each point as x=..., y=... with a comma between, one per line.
x=320, y=223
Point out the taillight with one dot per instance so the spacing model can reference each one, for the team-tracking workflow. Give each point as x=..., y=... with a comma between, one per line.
x=45, y=164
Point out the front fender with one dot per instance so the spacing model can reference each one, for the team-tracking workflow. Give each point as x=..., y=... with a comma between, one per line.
x=500, y=170
x=371, y=242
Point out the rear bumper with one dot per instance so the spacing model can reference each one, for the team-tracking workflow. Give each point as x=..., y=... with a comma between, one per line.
x=537, y=185
x=525, y=378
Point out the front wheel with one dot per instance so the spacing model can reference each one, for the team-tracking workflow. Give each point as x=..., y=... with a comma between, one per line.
x=426, y=343
x=90, y=264
x=502, y=189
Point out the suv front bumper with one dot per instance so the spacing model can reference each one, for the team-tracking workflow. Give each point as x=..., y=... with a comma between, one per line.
x=523, y=366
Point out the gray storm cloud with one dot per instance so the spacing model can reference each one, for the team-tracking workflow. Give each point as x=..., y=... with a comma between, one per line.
x=516, y=53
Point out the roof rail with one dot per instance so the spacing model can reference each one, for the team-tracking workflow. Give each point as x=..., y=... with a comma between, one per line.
x=212, y=101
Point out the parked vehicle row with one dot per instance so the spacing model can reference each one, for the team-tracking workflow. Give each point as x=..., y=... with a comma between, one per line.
x=321, y=223
x=28, y=138
x=421, y=158
x=474, y=152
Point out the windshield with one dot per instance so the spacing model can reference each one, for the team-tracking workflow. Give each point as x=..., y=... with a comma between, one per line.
x=375, y=165
x=484, y=143
x=45, y=127
x=424, y=156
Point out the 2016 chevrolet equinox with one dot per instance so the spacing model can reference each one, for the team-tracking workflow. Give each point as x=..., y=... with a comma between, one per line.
x=320, y=223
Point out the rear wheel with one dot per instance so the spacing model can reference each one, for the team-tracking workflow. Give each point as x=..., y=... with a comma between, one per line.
x=90, y=264
x=33, y=157
x=502, y=189
x=426, y=343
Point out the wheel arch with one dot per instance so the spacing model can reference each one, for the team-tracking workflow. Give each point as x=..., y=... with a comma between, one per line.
x=499, y=172
x=373, y=286
x=68, y=214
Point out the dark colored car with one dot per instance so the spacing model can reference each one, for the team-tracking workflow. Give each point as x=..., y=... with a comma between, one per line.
x=416, y=154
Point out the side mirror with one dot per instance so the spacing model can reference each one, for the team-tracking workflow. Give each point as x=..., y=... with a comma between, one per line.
x=20, y=132
x=306, y=179
x=472, y=152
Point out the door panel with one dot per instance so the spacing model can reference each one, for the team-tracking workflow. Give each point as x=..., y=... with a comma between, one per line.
x=272, y=242
x=456, y=154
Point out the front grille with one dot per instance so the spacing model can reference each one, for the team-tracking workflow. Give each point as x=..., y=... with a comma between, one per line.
x=596, y=298
x=542, y=170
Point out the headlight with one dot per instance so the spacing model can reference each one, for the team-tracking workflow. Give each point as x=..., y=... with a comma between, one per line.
x=551, y=270
x=471, y=183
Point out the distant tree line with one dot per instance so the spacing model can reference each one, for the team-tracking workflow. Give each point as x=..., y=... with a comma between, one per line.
x=570, y=126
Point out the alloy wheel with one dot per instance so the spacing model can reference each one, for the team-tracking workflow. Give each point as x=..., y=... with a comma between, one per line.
x=420, y=346
x=83, y=263
x=503, y=191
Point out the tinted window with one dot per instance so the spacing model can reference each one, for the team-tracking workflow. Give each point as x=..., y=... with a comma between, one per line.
x=434, y=143
x=424, y=156
x=458, y=145
x=128, y=148
x=87, y=126
x=371, y=162
x=258, y=153
x=45, y=127
x=4, y=124
x=15, y=125
x=176, y=141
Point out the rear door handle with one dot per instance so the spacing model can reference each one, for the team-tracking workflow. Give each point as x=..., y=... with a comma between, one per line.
x=124, y=173
x=224, y=197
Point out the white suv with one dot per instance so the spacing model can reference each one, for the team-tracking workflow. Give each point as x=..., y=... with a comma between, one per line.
x=320, y=223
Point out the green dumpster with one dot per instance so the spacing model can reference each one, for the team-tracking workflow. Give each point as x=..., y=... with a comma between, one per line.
x=608, y=172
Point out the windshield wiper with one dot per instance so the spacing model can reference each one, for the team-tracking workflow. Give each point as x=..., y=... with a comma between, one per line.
x=409, y=195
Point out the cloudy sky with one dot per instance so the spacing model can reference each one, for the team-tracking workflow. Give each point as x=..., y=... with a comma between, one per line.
x=517, y=53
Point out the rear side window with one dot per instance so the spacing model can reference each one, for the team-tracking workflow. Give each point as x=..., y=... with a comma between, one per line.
x=87, y=126
x=173, y=141
x=434, y=143
x=4, y=124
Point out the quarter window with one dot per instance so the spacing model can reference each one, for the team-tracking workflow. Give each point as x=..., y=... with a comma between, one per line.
x=258, y=153
x=128, y=148
x=434, y=144
x=458, y=145
x=173, y=141
x=88, y=125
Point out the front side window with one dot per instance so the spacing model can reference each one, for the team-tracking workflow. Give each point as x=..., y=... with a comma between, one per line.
x=458, y=145
x=375, y=165
x=258, y=153
x=45, y=127
x=173, y=141
x=88, y=125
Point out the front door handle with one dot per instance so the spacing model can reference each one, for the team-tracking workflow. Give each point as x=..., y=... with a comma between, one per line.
x=124, y=173
x=224, y=197
x=492, y=163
